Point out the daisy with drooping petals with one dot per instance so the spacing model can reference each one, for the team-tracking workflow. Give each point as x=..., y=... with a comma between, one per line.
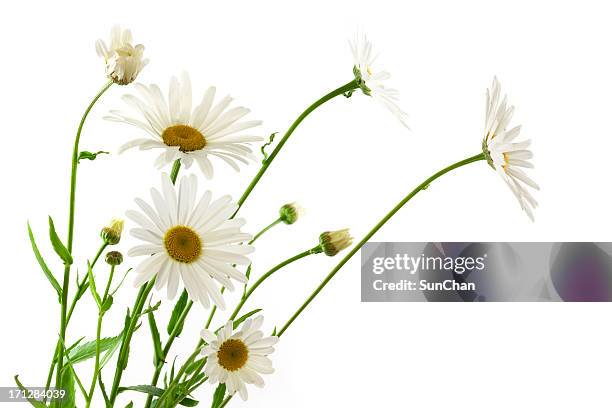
x=505, y=155
x=185, y=133
x=238, y=358
x=370, y=80
x=193, y=243
x=124, y=61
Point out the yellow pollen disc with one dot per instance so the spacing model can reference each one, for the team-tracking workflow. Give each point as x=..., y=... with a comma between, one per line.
x=183, y=244
x=186, y=137
x=506, y=162
x=233, y=354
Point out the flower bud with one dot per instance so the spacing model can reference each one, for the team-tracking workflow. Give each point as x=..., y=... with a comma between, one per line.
x=112, y=234
x=333, y=242
x=114, y=258
x=290, y=213
x=123, y=60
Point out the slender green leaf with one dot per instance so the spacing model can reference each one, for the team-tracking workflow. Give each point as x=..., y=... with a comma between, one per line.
x=35, y=403
x=157, y=392
x=158, y=354
x=109, y=353
x=181, y=303
x=69, y=400
x=150, y=309
x=92, y=286
x=43, y=265
x=87, y=350
x=191, y=368
x=58, y=246
x=89, y=155
x=130, y=405
x=218, y=396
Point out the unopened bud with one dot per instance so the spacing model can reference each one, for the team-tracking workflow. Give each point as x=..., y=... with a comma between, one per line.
x=333, y=242
x=112, y=234
x=290, y=213
x=114, y=258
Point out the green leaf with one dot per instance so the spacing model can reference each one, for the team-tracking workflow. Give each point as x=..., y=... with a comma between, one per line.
x=89, y=155
x=181, y=303
x=109, y=353
x=191, y=368
x=107, y=303
x=157, y=347
x=87, y=350
x=43, y=265
x=150, y=309
x=68, y=384
x=58, y=246
x=157, y=392
x=218, y=396
x=92, y=286
x=130, y=405
x=263, y=147
x=35, y=403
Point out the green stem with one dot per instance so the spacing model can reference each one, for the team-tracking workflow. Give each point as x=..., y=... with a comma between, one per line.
x=75, y=299
x=315, y=250
x=139, y=304
x=97, y=360
x=373, y=231
x=266, y=163
x=98, y=335
x=73, y=178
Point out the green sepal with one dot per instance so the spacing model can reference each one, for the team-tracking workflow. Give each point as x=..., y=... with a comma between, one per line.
x=58, y=246
x=43, y=265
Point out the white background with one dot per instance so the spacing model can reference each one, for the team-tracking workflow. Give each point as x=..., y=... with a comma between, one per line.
x=347, y=164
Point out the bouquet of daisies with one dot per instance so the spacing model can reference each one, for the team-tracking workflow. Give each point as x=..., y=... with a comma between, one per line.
x=193, y=245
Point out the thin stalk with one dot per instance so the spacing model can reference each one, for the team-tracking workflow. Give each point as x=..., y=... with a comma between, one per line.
x=73, y=178
x=138, y=305
x=315, y=250
x=75, y=299
x=373, y=231
x=266, y=163
x=98, y=335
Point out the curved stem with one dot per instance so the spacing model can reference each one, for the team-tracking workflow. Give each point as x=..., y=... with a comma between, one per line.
x=97, y=360
x=315, y=250
x=266, y=163
x=73, y=177
x=373, y=231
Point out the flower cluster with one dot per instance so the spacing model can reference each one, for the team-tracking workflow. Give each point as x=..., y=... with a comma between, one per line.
x=194, y=244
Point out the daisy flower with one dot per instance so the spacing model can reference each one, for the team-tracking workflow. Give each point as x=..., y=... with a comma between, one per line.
x=188, y=134
x=238, y=358
x=184, y=242
x=503, y=153
x=123, y=60
x=371, y=80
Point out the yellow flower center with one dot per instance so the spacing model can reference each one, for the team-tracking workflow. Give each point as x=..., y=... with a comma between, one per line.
x=183, y=244
x=186, y=137
x=233, y=354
